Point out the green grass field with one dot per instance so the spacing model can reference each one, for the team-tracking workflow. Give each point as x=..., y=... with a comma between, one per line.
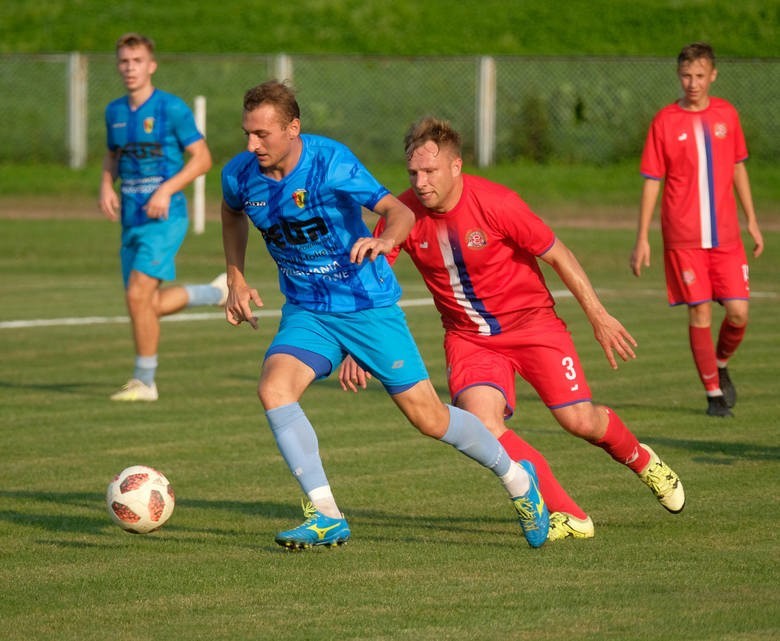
x=435, y=552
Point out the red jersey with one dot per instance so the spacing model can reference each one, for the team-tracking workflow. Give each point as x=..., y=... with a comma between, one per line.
x=479, y=259
x=695, y=153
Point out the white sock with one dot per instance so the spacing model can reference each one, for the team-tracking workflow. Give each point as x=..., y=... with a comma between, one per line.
x=516, y=481
x=322, y=499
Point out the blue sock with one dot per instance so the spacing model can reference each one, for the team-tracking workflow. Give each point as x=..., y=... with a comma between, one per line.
x=202, y=295
x=145, y=369
x=467, y=434
x=297, y=443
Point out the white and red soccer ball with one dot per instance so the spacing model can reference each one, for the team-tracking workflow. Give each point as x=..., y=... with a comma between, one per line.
x=140, y=499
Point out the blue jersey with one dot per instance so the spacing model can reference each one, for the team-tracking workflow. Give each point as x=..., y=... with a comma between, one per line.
x=310, y=220
x=150, y=141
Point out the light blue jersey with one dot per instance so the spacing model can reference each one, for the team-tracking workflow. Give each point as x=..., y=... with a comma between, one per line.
x=151, y=141
x=310, y=220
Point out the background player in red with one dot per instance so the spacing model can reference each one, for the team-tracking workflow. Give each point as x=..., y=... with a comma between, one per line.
x=696, y=146
x=476, y=244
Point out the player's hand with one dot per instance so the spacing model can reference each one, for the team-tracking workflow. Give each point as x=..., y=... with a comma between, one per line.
x=157, y=206
x=613, y=337
x=758, y=239
x=640, y=257
x=237, y=306
x=109, y=203
x=352, y=376
x=370, y=248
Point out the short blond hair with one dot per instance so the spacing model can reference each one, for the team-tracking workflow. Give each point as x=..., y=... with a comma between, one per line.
x=435, y=130
x=133, y=39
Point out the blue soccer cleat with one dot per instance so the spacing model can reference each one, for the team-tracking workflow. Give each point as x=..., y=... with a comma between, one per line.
x=531, y=510
x=317, y=529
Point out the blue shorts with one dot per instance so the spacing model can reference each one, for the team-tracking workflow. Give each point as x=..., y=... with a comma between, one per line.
x=378, y=339
x=152, y=248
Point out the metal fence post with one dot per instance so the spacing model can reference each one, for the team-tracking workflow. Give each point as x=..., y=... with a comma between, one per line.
x=283, y=67
x=486, y=112
x=199, y=184
x=77, y=110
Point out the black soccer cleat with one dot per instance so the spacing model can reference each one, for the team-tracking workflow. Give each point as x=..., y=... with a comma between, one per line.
x=727, y=387
x=716, y=406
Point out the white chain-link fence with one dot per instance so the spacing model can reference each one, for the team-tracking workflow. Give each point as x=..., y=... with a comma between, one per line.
x=594, y=110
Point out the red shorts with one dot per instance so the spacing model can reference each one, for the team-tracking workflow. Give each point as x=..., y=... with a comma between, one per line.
x=696, y=276
x=542, y=352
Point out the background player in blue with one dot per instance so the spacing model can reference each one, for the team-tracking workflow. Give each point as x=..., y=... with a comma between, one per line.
x=148, y=133
x=305, y=194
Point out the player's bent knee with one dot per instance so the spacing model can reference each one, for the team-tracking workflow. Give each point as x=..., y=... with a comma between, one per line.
x=737, y=319
x=430, y=419
x=272, y=396
x=433, y=428
x=584, y=420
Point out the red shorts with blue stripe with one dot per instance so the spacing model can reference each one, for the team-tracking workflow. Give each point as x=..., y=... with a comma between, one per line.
x=540, y=350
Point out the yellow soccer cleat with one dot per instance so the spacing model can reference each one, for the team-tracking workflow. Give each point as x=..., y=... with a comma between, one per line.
x=564, y=526
x=663, y=482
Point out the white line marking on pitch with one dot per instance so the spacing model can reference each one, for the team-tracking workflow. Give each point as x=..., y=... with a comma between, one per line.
x=174, y=318
x=272, y=313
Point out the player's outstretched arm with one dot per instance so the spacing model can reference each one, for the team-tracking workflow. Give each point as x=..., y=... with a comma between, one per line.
x=609, y=332
x=235, y=235
x=399, y=220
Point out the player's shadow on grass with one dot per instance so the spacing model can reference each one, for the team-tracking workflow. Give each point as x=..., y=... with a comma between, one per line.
x=54, y=512
x=61, y=388
x=691, y=409
x=392, y=524
x=72, y=514
x=720, y=453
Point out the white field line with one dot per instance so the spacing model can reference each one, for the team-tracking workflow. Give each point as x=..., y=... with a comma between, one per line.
x=174, y=318
x=271, y=313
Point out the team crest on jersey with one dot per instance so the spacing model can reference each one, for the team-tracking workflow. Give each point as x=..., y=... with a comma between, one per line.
x=476, y=239
x=720, y=130
x=149, y=124
x=299, y=196
x=689, y=276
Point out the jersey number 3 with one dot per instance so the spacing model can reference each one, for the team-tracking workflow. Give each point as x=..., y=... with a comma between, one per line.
x=571, y=373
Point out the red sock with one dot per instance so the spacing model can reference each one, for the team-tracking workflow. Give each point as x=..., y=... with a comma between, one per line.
x=704, y=357
x=620, y=443
x=729, y=338
x=554, y=495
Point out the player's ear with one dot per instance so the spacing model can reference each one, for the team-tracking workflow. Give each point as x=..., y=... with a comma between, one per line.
x=294, y=128
x=457, y=166
x=714, y=75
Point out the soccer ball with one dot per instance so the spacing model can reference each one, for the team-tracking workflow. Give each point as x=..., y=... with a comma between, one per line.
x=140, y=499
